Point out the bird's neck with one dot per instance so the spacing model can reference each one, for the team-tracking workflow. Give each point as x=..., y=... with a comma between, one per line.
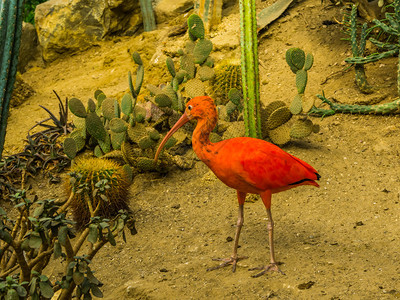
x=200, y=141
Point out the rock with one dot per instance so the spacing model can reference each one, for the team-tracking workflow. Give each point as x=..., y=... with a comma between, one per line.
x=166, y=10
x=74, y=25
x=28, y=48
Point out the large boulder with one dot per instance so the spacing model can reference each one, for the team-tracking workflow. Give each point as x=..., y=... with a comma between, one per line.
x=166, y=10
x=72, y=25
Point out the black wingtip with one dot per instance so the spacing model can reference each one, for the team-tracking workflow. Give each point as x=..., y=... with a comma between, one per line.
x=318, y=176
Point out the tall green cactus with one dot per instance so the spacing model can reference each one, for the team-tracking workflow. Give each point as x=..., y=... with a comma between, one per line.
x=149, y=22
x=250, y=75
x=10, y=35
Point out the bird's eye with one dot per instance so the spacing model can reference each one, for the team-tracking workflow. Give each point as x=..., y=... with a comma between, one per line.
x=189, y=107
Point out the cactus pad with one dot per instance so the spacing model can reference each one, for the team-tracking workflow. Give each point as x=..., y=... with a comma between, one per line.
x=270, y=108
x=195, y=87
x=301, y=81
x=95, y=126
x=146, y=142
x=195, y=27
x=280, y=135
x=126, y=104
x=235, y=129
x=118, y=125
x=301, y=128
x=163, y=100
x=205, y=73
x=137, y=59
x=170, y=66
x=202, y=50
x=297, y=104
x=146, y=164
x=108, y=108
x=91, y=105
x=135, y=133
x=309, y=62
x=188, y=65
x=77, y=108
x=278, y=117
x=79, y=136
x=308, y=103
x=70, y=148
x=295, y=58
x=117, y=139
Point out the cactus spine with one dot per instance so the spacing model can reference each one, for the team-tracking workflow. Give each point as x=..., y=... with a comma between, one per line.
x=10, y=36
x=250, y=75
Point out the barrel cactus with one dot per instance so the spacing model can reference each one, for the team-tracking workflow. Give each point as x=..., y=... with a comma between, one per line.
x=99, y=187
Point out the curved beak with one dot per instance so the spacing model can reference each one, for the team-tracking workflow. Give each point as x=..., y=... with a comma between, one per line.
x=182, y=121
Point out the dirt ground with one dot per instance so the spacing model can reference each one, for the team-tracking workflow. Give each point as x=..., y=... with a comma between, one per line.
x=340, y=241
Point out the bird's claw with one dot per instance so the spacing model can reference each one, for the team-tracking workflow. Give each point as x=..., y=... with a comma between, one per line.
x=227, y=261
x=273, y=267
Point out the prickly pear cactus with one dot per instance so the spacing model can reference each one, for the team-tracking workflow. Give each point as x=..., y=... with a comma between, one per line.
x=195, y=70
x=103, y=123
x=276, y=115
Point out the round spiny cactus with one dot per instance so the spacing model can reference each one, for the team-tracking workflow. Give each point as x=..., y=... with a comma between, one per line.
x=228, y=75
x=100, y=188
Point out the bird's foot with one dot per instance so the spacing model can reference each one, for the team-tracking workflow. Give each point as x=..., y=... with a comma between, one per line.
x=273, y=267
x=227, y=261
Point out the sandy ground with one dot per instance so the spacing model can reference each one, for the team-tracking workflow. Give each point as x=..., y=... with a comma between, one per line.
x=340, y=241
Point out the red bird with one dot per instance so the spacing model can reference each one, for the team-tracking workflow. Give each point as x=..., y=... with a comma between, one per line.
x=246, y=164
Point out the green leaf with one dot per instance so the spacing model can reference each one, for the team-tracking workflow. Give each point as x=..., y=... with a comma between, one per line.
x=45, y=289
x=21, y=291
x=78, y=277
x=5, y=236
x=12, y=295
x=32, y=289
x=91, y=277
x=62, y=234
x=111, y=238
x=57, y=250
x=96, y=291
x=93, y=233
x=35, y=240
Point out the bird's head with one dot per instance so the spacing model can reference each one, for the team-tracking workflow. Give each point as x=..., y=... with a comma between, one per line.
x=197, y=108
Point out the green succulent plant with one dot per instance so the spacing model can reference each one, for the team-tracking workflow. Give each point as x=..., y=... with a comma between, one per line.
x=277, y=115
x=103, y=123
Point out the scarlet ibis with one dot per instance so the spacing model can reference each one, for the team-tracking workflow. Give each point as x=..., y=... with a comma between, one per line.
x=248, y=165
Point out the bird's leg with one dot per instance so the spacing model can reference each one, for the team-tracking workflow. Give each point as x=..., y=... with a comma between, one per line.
x=234, y=258
x=273, y=265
